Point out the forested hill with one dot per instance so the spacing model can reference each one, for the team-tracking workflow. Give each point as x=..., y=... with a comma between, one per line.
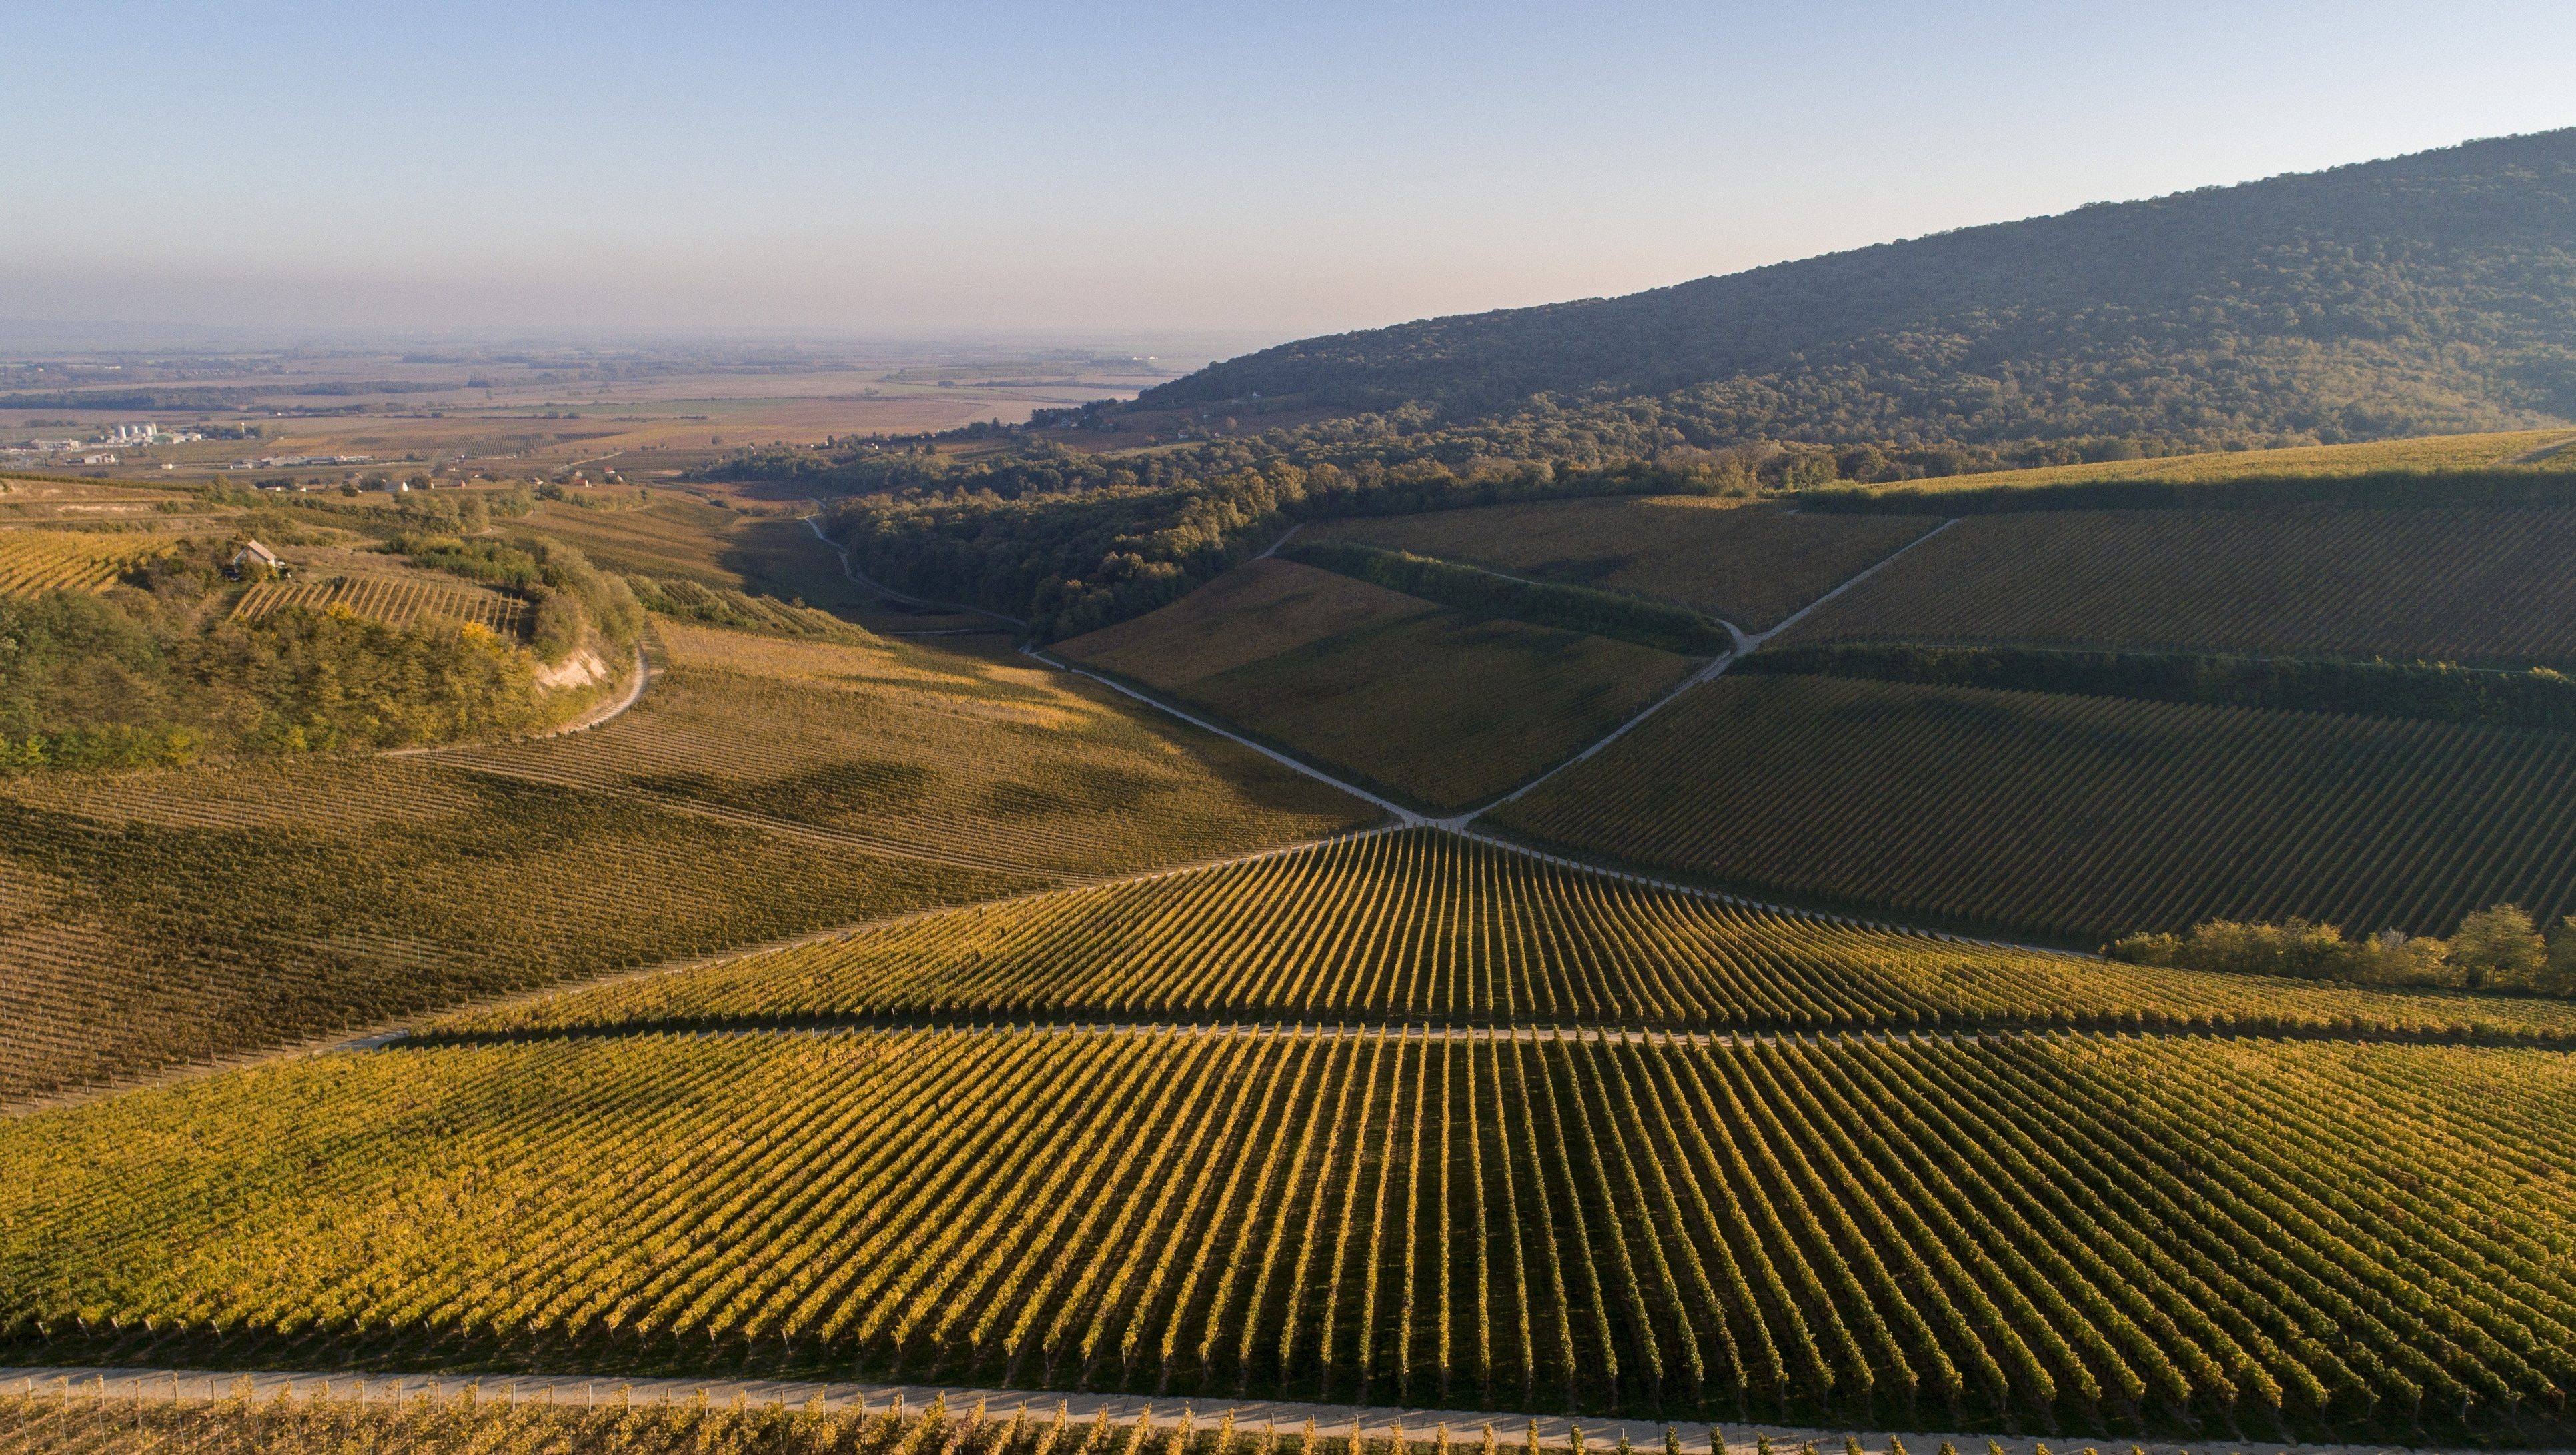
x=2429, y=293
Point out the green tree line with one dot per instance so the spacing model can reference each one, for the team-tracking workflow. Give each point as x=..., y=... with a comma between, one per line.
x=2430, y=691
x=2493, y=949
x=1572, y=608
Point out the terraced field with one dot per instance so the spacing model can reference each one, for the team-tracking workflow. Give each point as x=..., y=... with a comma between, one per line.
x=763, y=788
x=2470, y=586
x=396, y=603
x=1429, y=927
x=1748, y=564
x=2077, y=818
x=1428, y=704
x=33, y=562
x=2095, y=1234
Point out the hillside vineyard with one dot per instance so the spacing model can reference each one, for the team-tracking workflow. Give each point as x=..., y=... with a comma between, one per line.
x=2476, y=586
x=1424, y=926
x=2076, y=817
x=2092, y=1233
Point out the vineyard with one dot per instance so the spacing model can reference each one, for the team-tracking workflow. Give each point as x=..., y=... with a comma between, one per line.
x=1430, y=704
x=33, y=562
x=2091, y=1234
x=2072, y=817
x=1749, y=565
x=199, y=912
x=395, y=602
x=1428, y=927
x=742, y=612
x=2471, y=586
x=667, y=536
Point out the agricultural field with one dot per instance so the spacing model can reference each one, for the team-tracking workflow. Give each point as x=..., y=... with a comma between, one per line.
x=2100, y=1236
x=662, y=533
x=2469, y=586
x=762, y=788
x=1750, y=565
x=1429, y=927
x=33, y=562
x=2075, y=818
x=2539, y=450
x=1428, y=704
x=395, y=602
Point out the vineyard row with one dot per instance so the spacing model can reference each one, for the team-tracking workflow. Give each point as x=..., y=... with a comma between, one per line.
x=2080, y=818
x=1433, y=926
x=2087, y=1233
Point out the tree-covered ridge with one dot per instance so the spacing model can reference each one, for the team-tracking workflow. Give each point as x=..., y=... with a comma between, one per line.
x=2422, y=294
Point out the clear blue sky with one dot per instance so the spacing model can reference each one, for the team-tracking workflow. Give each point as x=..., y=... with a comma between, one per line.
x=1278, y=168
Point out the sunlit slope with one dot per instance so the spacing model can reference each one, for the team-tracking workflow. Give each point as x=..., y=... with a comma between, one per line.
x=2101, y=1234
x=2074, y=817
x=1432, y=704
x=1436, y=928
x=762, y=788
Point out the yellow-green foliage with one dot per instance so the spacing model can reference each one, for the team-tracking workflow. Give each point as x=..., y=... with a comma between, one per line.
x=2078, y=817
x=2441, y=585
x=484, y=1419
x=2090, y=1229
x=33, y=562
x=1428, y=926
x=396, y=603
x=1434, y=705
x=2540, y=449
x=762, y=788
x=1750, y=565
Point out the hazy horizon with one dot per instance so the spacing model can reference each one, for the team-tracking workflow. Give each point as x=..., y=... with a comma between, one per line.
x=809, y=173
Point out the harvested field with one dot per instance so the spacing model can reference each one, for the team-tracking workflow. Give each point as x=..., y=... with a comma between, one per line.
x=1747, y=564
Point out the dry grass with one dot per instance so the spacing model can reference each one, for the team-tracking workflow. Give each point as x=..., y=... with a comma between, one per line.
x=1748, y=564
x=762, y=788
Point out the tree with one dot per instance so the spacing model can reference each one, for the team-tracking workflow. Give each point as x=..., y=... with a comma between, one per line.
x=2498, y=947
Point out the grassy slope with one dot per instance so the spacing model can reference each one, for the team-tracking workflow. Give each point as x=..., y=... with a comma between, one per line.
x=1774, y=1231
x=1750, y=565
x=2542, y=450
x=2478, y=586
x=1440, y=707
x=207, y=911
x=2076, y=818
